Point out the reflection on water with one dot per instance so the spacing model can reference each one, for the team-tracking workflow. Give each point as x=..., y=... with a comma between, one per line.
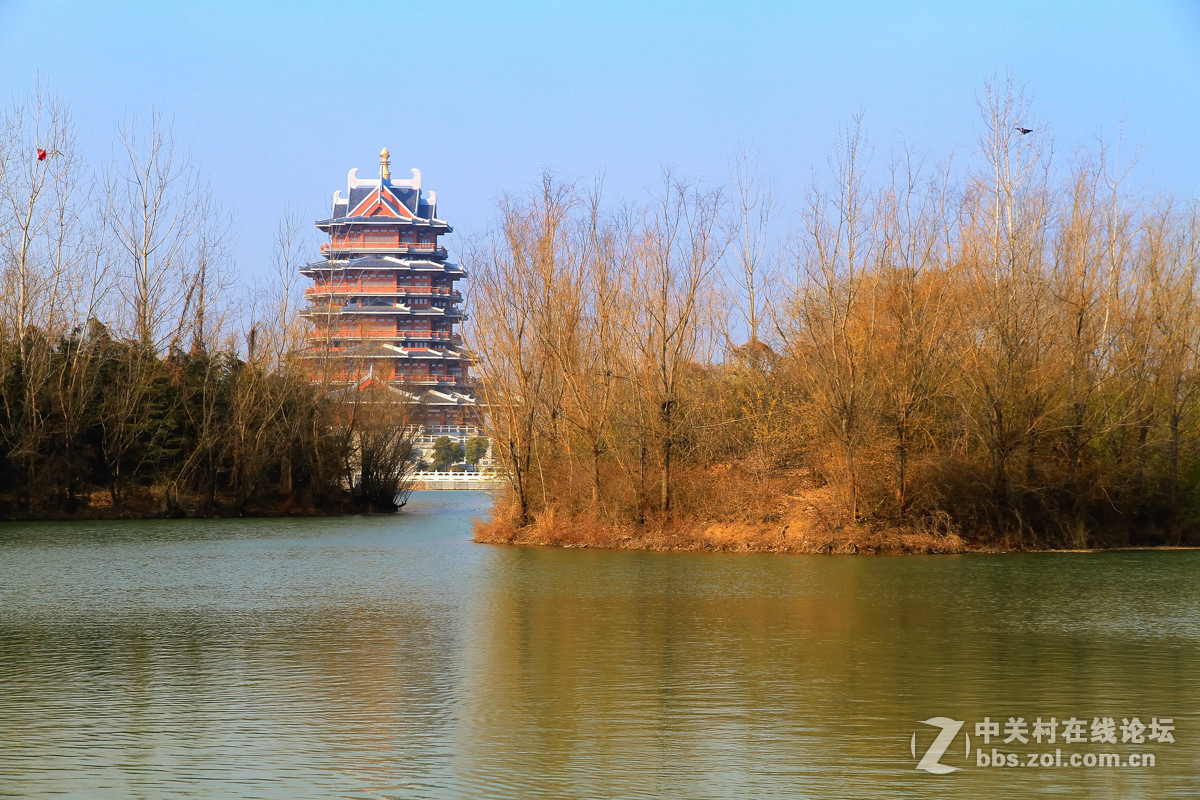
x=390, y=657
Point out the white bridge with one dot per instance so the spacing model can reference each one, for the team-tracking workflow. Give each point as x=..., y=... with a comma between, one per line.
x=457, y=480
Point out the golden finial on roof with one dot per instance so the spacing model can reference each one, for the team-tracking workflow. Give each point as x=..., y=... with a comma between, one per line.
x=384, y=172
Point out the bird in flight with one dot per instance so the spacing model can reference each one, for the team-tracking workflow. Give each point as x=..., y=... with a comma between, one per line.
x=1023, y=131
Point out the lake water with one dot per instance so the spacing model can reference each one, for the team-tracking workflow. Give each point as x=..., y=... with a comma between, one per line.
x=389, y=657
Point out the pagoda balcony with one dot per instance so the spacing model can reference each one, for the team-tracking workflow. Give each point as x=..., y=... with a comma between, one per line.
x=323, y=310
x=451, y=430
x=383, y=289
x=394, y=310
x=329, y=311
x=352, y=314
x=437, y=336
x=430, y=291
x=422, y=248
x=403, y=380
x=429, y=380
x=410, y=335
x=352, y=335
x=434, y=311
x=353, y=287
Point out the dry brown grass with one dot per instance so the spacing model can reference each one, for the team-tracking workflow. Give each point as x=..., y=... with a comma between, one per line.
x=806, y=525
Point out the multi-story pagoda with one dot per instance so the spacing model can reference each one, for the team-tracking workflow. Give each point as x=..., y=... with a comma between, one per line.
x=383, y=304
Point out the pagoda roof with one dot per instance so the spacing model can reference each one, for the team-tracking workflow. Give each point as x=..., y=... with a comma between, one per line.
x=384, y=199
x=441, y=397
x=377, y=349
x=436, y=224
x=428, y=353
x=371, y=379
x=428, y=397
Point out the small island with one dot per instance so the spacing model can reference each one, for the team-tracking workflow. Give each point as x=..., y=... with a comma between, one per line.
x=998, y=356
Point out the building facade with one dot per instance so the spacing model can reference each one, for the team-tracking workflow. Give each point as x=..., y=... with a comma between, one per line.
x=383, y=305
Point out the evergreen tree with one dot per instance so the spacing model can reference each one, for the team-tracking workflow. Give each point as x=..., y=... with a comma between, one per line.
x=446, y=452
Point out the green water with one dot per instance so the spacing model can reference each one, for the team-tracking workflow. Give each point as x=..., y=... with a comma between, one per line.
x=391, y=657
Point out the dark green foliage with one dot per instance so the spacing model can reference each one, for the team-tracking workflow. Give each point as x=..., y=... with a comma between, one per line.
x=446, y=452
x=476, y=449
x=108, y=423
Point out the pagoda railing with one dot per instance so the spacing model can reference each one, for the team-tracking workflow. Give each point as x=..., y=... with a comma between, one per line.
x=389, y=288
x=439, y=335
x=358, y=286
x=418, y=380
x=348, y=333
x=450, y=430
x=426, y=380
x=374, y=247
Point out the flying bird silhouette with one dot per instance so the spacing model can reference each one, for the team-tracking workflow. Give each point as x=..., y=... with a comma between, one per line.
x=1023, y=131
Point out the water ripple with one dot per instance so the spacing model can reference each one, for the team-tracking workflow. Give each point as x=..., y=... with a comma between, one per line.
x=390, y=658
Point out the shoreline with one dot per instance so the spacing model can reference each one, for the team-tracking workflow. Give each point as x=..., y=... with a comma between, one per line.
x=807, y=533
x=966, y=551
x=804, y=534
x=136, y=515
x=97, y=507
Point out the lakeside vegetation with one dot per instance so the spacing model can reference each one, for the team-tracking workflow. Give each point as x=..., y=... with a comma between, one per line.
x=135, y=378
x=1000, y=353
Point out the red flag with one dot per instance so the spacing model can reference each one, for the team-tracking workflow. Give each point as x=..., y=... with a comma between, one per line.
x=41, y=154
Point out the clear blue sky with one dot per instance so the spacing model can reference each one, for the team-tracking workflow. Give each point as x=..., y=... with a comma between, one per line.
x=278, y=100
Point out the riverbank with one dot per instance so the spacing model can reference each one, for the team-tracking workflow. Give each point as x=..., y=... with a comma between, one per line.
x=806, y=523
x=156, y=503
x=796, y=535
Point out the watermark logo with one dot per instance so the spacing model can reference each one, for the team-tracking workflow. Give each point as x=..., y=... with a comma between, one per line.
x=1017, y=740
x=931, y=761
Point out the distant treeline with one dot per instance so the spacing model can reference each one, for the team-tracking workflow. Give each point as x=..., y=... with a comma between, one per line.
x=1006, y=351
x=191, y=432
x=134, y=378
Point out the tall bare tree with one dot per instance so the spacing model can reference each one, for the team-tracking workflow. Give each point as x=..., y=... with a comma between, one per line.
x=831, y=329
x=41, y=197
x=157, y=206
x=680, y=249
x=918, y=313
x=515, y=275
x=754, y=210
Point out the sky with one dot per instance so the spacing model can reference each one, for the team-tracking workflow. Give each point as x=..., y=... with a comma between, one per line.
x=277, y=101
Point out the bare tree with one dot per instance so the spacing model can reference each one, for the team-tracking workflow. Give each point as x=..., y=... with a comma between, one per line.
x=157, y=206
x=515, y=275
x=832, y=326
x=917, y=310
x=680, y=249
x=585, y=337
x=41, y=193
x=163, y=230
x=382, y=429
x=754, y=210
x=1011, y=389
